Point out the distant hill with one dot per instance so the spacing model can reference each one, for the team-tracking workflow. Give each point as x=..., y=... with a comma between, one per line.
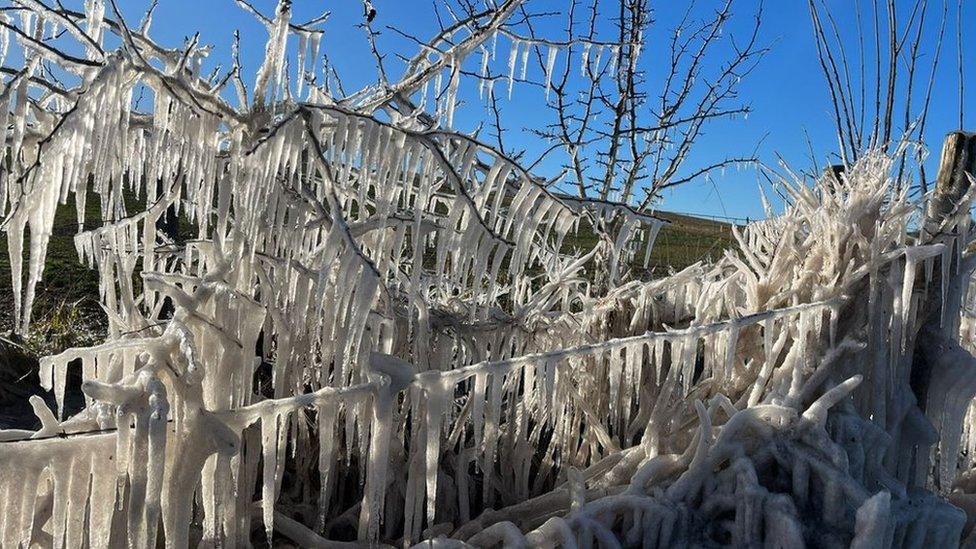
x=689, y=239
x=67, y=311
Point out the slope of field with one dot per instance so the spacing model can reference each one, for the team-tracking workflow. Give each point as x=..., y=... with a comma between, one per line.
x=66, y=307
x=67, y=313
x=688, y=239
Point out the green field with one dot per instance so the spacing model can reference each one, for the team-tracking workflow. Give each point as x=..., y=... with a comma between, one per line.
x=688, y=239
x=66, y=307
x=67, y=313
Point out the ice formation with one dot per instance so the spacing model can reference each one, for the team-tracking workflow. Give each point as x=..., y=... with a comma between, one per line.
x=380, y=334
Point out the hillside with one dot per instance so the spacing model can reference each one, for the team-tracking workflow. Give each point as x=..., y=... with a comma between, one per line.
x=67, y=312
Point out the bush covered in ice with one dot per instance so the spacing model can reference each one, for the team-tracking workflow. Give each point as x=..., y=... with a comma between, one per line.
x=380, y=334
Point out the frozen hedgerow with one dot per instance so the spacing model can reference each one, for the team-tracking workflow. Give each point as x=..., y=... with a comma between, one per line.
x=379, y=332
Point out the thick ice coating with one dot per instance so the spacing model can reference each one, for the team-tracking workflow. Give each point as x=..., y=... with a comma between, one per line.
x=383, y=329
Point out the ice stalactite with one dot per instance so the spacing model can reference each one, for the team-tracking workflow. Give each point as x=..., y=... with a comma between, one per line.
x=380, y=331
x=272, y=69
x=550, y=64
x=512, y=60
x=597, y=58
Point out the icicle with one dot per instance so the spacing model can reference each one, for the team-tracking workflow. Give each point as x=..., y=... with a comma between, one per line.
x=437, y=399
x=550, y=63
x=103, y=491
x=274, y=56
x=633, y=377
x=512, y=56
x=452, y=89
x=270, y=425
x=652, y=233
x=614, y=370
x=327, y=458
x=525, y=60
x=60, y=383
x=944, y=264
x=483, y=72
x=158, y=415
x=728, y=366
x=768, y=340
x=908, y=284
x=658, y=358
x=378, y=457
x=302, y=50
x=800, y=364
x=4, y=45
x=314, y=42
x=596, y=60
x=477, y=413
x=549, y=385
x=492, y=432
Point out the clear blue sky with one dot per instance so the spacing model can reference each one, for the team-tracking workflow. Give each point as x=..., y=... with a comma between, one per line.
x=787, y=91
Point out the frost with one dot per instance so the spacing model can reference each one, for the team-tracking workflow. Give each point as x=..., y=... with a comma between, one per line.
x=380, y=330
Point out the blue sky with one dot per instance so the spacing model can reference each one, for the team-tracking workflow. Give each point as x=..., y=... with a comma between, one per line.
x=787, y=91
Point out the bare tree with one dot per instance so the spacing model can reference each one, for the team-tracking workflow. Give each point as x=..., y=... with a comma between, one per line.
x=883, y=100
x=624, y=137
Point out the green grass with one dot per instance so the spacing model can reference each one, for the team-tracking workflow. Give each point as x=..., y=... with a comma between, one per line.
x=683, y=241
x=67, y=313
x=68, y=291
x=687, y=240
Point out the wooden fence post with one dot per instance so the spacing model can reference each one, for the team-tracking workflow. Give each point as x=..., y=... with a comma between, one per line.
x=958, y=160
x=956, y=167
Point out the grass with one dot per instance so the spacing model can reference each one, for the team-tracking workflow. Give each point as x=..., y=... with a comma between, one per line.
x=67, y=312
x=66, y=308
x=683, y=241
x=687, y=240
